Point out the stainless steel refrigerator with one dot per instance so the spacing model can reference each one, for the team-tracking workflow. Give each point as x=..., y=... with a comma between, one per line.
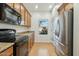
x=63, y=34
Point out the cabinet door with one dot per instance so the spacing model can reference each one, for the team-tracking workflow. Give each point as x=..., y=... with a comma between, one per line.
x=30, y=42
x=17, y=7
x=29, y=20
x=26, y=18
x=68, y=7
x=29, y=45
x=32, y=38
x=22, y=13
x=10, y=4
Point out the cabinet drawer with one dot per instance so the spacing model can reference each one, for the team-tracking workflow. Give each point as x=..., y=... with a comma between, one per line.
x=7, y=52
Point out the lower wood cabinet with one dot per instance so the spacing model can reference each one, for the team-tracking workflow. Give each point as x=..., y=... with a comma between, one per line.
x=30, y=42
x=7, y=52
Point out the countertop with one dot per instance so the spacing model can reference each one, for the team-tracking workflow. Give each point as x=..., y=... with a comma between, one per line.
x=28, y=33
x=4, y=46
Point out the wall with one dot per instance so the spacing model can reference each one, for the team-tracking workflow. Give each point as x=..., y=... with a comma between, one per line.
x=36, y=16
x=76, y=30
x=18, y=28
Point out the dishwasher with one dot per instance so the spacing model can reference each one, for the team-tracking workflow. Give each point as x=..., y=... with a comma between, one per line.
x=21, y=46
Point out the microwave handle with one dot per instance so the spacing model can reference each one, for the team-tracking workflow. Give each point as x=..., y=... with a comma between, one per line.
x=19, y=20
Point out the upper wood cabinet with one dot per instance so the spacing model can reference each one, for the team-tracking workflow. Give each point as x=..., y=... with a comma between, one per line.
x=23, y=14
x=65, y=7
x=11, y=4
x=17, y=7
x=26, y=18
x=29, y=20
x=69, y=6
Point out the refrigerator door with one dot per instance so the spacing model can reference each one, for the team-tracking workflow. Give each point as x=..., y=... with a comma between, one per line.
x=60, y=39
x=69, y=31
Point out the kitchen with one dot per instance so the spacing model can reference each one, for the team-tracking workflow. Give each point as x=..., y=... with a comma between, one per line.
x=36, y=29
x=16, y=38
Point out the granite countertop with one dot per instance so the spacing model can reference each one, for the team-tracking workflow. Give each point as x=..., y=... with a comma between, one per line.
x=28, y=33
x=25, y=32
x=4, y=46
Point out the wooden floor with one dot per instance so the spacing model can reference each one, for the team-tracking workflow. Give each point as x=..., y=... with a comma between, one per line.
x=37, y=46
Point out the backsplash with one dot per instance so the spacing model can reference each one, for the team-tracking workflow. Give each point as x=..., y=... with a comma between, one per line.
x=9, y=26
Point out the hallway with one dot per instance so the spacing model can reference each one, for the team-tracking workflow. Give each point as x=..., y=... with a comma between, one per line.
x=42, y=49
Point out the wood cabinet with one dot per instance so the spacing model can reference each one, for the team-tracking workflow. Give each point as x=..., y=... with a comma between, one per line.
x=7, y=52
x=29, y=44
x=65, y=7
x=17, y=7
x=11, y=4
x=29, y=20
x=30, y=41
x=68, y=7
x=26, y=18
x=23, y=14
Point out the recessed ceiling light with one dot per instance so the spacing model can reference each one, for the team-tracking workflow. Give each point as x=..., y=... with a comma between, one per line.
x=50, y=6
x=36, y=6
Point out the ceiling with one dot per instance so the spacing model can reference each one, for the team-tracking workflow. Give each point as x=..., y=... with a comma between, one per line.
x=42, y=7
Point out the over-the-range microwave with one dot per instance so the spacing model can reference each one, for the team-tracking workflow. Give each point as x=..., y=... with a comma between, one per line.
x=9, y=15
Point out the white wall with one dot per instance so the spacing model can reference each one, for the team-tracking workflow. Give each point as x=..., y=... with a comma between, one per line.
x=36, y=16
x=76, y=30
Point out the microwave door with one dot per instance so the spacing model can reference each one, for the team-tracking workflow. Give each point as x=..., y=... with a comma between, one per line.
x=11, y=16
